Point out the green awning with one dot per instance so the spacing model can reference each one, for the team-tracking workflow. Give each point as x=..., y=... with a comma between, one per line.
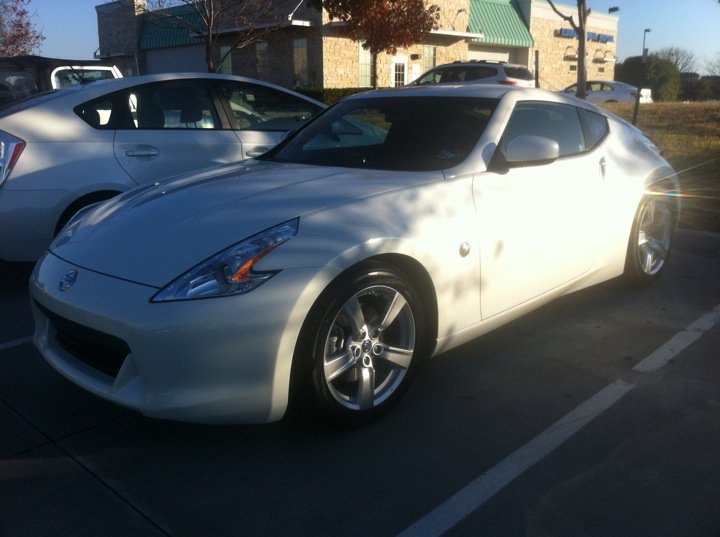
x=170, y=27
x=501, y=22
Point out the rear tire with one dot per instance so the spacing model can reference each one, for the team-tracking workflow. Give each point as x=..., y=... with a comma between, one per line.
x=650, y=239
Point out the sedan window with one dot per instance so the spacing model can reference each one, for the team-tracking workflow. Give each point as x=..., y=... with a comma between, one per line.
x=262, y=108
x=177, y=105
x=97, y=113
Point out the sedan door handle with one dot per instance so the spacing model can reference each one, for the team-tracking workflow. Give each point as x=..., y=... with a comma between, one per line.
x=257, y=151
x=603, y=165
x=142, y=151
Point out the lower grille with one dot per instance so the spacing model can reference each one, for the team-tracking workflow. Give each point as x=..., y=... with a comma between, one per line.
x=100, y=351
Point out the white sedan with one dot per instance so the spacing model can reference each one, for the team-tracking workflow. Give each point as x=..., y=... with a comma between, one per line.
x=64, y=150
x=396, y=225
x=604, y=91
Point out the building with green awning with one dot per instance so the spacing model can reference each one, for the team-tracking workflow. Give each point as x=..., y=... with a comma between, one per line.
x=307, y=49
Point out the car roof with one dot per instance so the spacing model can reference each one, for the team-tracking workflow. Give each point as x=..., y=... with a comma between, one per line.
x=487, y=91
x=490, y=91
x=478, y=62
x=84, y=92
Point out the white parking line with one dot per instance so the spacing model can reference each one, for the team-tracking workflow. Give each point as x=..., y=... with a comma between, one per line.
x=453, y=510
x=15, y=343
x=678, y=342
x=470, y=498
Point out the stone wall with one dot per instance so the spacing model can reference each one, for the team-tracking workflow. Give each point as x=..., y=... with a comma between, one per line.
x=118, y=27
x=341, y=56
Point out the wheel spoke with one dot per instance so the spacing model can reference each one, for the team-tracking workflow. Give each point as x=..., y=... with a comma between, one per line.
x=392, y=310
x=355, y=315
x=337, y=366
x=648, y=256
x=366, y=388
x=397, y=356
x=658, y=248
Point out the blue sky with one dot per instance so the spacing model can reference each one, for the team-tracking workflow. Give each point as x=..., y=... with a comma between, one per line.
x=70, y=26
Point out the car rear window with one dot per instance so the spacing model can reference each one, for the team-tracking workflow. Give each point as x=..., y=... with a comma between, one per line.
x=458, y=73
x=520, y=73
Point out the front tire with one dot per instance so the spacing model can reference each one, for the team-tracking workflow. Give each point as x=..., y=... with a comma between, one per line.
x=362, y=339
x=650, y=239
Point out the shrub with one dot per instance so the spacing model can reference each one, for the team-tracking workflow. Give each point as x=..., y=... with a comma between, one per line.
x=661, y=76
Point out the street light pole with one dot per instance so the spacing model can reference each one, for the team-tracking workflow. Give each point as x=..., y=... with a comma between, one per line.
x=644, y=50
x=642, y=78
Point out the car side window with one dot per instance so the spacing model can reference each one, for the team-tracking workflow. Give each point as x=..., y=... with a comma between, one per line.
x=183, y=104
x=261, y=108
x=559, y=122
x=477, y=73
x=595, y=127
x=98, y=113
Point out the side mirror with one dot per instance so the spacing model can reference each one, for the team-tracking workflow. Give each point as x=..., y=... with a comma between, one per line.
x=527, y=150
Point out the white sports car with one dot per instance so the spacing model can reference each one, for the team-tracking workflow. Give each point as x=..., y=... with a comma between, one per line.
x=396, y=225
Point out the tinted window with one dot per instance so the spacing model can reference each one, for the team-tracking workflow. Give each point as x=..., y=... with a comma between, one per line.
x=97, y=113
x=16, y=85
x=409, y=133
x=477, y=73
x=518, y=72
x=596, y=127
x=558, y=122
x=457, y=73
x=257, y=107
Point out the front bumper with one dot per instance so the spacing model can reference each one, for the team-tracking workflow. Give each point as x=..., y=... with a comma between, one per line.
x=221, y=360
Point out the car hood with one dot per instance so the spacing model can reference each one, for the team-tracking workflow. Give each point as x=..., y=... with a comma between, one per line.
x=153, y=234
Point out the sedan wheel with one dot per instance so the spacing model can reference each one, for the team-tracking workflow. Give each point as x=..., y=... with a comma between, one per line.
x=364, y=344
x=651, y=239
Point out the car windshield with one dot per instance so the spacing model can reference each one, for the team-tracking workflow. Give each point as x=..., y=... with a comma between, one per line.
x=391, y=133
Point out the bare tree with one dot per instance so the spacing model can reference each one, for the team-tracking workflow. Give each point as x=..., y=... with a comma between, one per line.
x=683, y=59
x=18, y=35
x=580, y=30
x=235, y=23
x=712, y=66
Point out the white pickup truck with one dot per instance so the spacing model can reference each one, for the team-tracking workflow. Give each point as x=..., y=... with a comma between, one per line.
x=21, y=76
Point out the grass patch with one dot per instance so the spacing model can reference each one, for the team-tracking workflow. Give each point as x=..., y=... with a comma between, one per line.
x=689, y=135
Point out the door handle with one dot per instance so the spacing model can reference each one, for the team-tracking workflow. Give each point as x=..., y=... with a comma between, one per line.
x=603, y=166
x=142, y=151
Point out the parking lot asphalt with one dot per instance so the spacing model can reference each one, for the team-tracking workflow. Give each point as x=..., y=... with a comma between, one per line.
x=546, y=427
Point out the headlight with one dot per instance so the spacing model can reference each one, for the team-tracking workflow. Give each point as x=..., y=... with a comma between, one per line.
x=230, y=272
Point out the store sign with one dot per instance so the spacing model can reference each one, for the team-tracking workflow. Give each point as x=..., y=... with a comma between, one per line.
x=591, y=36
